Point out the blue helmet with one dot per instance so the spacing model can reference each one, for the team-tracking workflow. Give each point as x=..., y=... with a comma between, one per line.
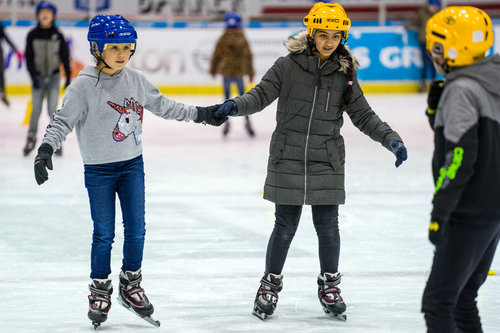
x=435, y=3
x=46, y=5
x=233, y=20
x=110, y=29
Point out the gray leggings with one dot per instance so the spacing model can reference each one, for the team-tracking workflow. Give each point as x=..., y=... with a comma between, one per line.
x=326, y=223
x=49, y=86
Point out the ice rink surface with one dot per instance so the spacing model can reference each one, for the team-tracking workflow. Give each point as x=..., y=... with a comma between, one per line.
x=207, y=231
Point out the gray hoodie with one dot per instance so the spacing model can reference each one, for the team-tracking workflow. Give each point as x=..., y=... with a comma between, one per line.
x=466, y=161
x=107, y=112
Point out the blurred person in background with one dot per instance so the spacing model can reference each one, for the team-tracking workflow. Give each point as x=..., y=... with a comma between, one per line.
x=46, y=49
x=232, y=59
x=316, y=85
x=419, y=22
x=464, y=112
x=19, y=54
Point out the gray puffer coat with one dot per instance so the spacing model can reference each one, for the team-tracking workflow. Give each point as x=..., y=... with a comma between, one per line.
x=307, y=154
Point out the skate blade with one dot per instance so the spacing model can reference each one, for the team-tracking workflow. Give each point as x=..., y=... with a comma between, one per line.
x=149, y=319
x=259, y=314
x=96, y=325
x=338, y=316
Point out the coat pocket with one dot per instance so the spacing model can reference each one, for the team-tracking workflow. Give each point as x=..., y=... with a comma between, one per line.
x=333, y=154
x=278, y=148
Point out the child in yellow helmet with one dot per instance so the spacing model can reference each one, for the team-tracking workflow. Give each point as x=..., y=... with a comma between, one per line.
x=315, y=85
x=464, y=113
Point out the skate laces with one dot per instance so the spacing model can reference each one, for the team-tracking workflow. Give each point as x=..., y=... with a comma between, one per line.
x=329, y=289
x=100, y=295
x=132, y=288
x=268, y=290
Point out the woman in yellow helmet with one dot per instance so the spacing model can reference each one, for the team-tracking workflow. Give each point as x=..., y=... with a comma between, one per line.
x=316, y=85
x=464, y=114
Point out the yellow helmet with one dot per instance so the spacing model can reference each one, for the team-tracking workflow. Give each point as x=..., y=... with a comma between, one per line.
x=461, y=34
x=327, y=16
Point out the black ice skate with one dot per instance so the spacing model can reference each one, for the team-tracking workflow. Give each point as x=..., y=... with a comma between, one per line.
x=4, y=99
x=329, y=295
x=225, y=130
x=99, y=301
x=30, y=145
x=267, y=295
x=249, y=128
x=133, y=297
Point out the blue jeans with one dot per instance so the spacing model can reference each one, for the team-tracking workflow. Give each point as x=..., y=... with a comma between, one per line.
x=227, y=85
x=103, y=181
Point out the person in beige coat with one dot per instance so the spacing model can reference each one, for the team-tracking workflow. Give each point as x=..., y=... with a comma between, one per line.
x=232, y=59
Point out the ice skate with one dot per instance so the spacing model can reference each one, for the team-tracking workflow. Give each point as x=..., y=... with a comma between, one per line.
x=225, y=130
x=267, y=295
x=4, y=99
x=249, y=128
x=99, y=301
x=133, y=297
x=30, y=145
x=329, y=295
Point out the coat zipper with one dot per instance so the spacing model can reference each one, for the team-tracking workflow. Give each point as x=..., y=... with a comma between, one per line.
x=308, y=132
x=327, y=100
x=307, y=144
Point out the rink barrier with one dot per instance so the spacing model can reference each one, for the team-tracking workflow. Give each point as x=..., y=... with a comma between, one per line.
x=389, y=57
x=368, y=87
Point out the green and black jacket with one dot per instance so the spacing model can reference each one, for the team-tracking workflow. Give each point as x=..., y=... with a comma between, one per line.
x=466, y=162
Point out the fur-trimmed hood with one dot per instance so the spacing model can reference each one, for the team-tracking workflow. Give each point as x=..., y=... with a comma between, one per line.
x=298, y=43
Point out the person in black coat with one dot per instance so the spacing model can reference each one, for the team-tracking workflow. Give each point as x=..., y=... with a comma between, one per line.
x=3, y=36
x=46, y=49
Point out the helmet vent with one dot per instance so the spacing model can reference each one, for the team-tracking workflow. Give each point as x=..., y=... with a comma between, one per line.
x=439, y=35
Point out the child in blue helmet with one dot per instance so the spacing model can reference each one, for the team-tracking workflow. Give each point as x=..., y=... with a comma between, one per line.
x=232, y=59
x=105, y=104
x=46, y=49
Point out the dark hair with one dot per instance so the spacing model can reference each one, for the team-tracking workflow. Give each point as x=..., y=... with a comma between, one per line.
x=349, y=74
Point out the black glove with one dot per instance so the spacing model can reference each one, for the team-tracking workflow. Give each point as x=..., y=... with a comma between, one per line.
x=398, y=148
x=36, y=82
x=435, y=91
x=436, y=232
x=229, y=108
x=206, y=115
x=43, y=161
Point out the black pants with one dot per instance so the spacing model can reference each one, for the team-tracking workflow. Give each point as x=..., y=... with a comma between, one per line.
x=459, y=268
x=325, y=220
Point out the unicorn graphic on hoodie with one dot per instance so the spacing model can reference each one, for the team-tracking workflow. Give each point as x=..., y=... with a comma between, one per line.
x=130, y=120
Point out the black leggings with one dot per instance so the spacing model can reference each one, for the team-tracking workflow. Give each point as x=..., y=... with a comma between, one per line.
x=325, y=218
